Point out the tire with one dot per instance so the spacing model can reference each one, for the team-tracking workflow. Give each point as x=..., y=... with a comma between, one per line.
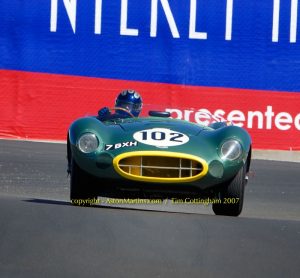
x=82, y=189
x=232, y=196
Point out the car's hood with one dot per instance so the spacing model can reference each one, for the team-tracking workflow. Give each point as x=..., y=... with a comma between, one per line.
x=153, y=133
x=133, y=125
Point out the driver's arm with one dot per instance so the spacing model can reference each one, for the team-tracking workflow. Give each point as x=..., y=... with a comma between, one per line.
x=103, y=113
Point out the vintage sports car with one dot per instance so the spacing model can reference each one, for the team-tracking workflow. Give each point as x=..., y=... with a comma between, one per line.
x=159, y=157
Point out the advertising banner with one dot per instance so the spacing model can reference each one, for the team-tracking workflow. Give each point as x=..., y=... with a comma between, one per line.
x=240, y=60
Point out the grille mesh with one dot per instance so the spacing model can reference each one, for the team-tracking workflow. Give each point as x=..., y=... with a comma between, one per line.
x=160, y=167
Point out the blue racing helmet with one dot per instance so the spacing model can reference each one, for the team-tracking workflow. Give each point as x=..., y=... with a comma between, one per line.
x=131, y=101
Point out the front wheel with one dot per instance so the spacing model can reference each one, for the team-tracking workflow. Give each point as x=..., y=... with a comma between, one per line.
x=82, y=191
x=232, y=196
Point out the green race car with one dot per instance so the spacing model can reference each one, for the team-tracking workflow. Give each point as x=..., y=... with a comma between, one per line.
x=159, y=157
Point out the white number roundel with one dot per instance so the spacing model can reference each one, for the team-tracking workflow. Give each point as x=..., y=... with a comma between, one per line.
x=161, y=137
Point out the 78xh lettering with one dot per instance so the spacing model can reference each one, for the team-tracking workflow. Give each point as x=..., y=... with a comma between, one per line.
x=109, y=147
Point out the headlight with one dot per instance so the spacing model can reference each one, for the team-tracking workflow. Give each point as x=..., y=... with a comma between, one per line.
x=88, y=143
x=231, y=150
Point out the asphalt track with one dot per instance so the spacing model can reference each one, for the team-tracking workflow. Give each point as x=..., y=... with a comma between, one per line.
x=42, y=235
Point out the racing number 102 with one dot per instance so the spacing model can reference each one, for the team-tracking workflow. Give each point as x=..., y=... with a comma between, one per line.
x=160, y=136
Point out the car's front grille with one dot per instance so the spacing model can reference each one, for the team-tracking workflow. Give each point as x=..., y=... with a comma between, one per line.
x=159, y=166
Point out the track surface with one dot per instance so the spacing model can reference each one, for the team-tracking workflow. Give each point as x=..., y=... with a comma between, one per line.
x=42, y=235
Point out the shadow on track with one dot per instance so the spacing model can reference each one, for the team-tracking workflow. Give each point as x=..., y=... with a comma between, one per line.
x=146, y=208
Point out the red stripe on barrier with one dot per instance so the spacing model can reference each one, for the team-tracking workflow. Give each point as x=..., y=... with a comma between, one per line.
x=42, y=106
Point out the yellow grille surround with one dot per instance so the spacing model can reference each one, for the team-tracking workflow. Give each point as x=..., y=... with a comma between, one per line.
x=160, y=166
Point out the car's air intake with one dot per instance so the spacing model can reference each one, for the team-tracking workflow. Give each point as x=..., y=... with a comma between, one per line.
x=160, y=166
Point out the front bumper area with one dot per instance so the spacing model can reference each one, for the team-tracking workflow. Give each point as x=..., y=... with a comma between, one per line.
x=204, y=174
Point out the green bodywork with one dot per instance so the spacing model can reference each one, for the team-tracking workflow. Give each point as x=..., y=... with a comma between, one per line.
x=204, y=142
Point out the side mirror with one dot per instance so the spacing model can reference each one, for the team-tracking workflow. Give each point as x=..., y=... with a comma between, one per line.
x=162, y=114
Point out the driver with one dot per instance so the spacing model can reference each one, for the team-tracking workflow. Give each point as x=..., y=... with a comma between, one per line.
x=129, y=103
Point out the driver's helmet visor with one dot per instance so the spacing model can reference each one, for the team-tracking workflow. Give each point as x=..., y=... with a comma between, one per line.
x=131, y=107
